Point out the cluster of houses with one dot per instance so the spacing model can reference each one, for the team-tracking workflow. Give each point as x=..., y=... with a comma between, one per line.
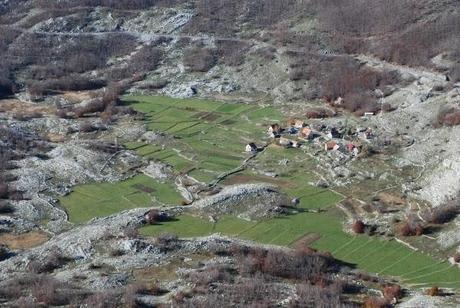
x=332, y=139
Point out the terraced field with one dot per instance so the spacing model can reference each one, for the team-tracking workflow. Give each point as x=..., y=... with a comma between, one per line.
x=209, y=140
x=210, y=136
x=104, y=199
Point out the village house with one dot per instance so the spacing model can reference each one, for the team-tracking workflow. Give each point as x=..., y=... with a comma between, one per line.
x=292, y=130
x=287, y=143
x=274, y=129
x=331, y=146
x=350, y=148
x=299, y=123
x=365, y=135
x=368, y=114
x=306, y=133
x=251, y=147
x=290, y=122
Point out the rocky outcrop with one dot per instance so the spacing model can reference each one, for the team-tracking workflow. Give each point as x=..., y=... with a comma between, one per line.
x=249, y=201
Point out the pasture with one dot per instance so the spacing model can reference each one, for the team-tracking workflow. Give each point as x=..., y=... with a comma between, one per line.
x=209, y=139
x=104, y=199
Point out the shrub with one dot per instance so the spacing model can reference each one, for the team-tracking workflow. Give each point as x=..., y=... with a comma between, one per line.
x=376, y=302
x=4, y=190
x=455, y=73
x=153, y=216
x=410, y=228
x=391, y=292
x=154, y=85
x=292, y=265
x=230, y=52
x=442, y=214
x=434, y=291
x=199, y=59
x=358, y=227
x=448, y=116
x=4, y=252
x=457, y=257
x=52, y=261
x=7, y=87
x=49, y=291
x=146, y=59
x=320, y=113
x=62, y=113
x=6, y=208
x=11, y=289
x=87, y=127
x=102, y=300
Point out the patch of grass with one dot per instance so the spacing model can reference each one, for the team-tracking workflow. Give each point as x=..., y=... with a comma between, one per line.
x=266, y=113
x=387, y=257
x=104, y=199
x=216, y=143
x=185, y=226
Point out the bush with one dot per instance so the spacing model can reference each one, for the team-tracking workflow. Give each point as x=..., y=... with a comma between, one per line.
x=457, y=257
x=434, y=291
x=301, y=265
x=4, y=190
x=455, y=73
x=50, y=292
x=230, y=52
x=52, y=261
x=7, y=86
x=6, y=208
x=87, y=127
x=320, y=113
x=155, y=216
x=409, y=228
x=391, y=292
x=199, y=59
x=146, y=59
x=68, y=83
x=447, y=116
x=4, y=252
x=62, y=113
x=105, y=299
x=376, y=302
x=442, y=214
x=358, y=227
x=154, y=85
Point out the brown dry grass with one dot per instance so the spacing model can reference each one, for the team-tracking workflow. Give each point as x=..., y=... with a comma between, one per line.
x=167, y=272
x=306, y=240
x=16, y=106
x=58, y=138
x=23, y=241
x=76, y=96
x=391, y=199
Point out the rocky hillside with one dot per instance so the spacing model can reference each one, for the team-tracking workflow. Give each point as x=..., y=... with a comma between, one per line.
x=387, y=67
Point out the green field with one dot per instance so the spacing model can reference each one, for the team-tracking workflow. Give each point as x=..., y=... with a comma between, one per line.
x=212, y=135
x=210, y=140
x=103, y=199
x=385, y=257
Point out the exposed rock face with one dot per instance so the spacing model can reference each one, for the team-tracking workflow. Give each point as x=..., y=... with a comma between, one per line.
x=77, y=244
x=68, y=164
x=158, y=171
x=250, y=201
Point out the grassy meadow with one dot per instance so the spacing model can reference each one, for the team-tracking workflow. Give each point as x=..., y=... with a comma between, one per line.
x=209, y=140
